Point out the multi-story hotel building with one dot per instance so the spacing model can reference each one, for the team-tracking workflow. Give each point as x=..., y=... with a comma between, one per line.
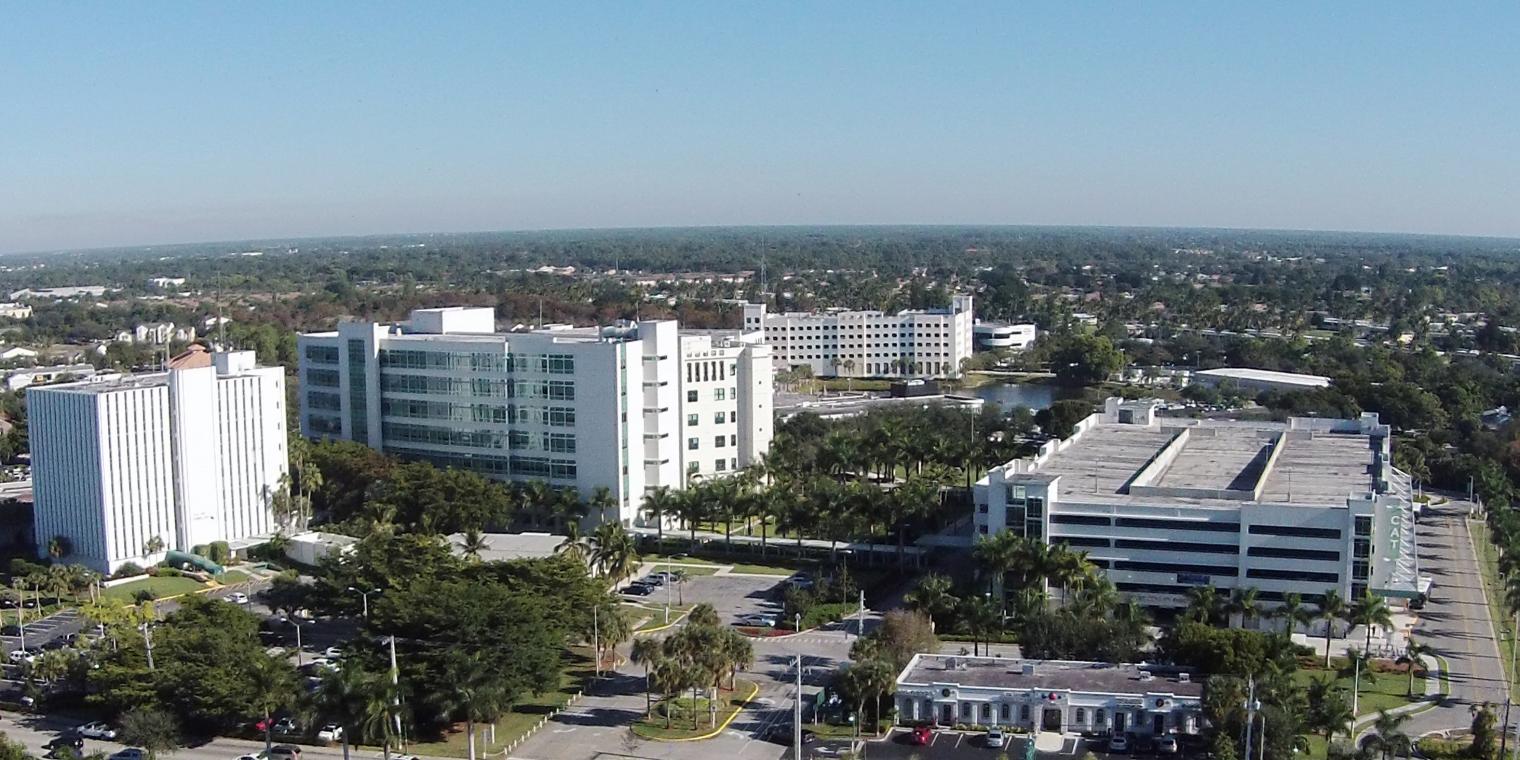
x=128, y=467
x=838, y=343
x=1163, y=505
x=629, y=407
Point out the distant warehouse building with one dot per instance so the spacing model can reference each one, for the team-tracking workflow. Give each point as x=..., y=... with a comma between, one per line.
x=1164, y=505
x=1260, y=379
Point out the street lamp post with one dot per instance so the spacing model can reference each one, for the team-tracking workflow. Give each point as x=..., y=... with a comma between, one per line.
x=300, y=662
x=365, y=596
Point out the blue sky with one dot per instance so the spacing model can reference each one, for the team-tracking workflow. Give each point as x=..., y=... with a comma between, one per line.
x=157, y=122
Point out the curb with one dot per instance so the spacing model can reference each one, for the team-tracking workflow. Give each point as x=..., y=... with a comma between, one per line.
x=528, y=734
x=754, y=689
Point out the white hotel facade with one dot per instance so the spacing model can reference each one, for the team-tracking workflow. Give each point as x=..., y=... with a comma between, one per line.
x=1163, y=505
x=186, y=457
x=630, y=408
x=838, y=343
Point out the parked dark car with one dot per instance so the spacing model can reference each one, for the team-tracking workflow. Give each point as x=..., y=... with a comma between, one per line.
x=783, y=735
x=65, y=745
x=638, y=589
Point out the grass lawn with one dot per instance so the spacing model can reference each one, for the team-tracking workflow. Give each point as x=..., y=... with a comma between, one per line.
x=578, y=670
x=1493, y=591
x=695, y=570
x=1386, y=692
x=684, y=711
x=233, y=576
x=165, y=586
x=771, y=569
x=662, y=558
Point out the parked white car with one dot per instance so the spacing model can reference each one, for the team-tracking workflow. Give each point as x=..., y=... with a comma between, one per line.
x=237, y=597
x=330, y=733
x=97, y=730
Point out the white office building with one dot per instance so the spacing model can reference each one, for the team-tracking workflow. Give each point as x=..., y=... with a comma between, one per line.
x=628, y=407
x=990, y=336
x=160, y=461
x=1048, y=695
x=1163, y=505
x=838, y=343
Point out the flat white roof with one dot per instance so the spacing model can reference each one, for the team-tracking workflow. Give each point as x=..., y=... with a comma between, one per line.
x=1266, y=375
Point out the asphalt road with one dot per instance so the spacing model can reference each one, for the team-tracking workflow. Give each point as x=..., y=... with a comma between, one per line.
x=1456, y=621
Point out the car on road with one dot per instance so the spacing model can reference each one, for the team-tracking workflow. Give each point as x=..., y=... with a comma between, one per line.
x=1167, y=745
x=783, y=734
x=259, y=756
x=63, y=745
x=921, y=735
x=330, y=733
x=290, y=752
x=758, y=619
x=637, y=589
x=1118, y=744
x=97, y=730
x=332, y=653
x=996, y=739
x=237, y=597
x=404, y=757
x=130, y=753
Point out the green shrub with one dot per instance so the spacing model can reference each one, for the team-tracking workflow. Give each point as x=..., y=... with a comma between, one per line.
x=128, y=570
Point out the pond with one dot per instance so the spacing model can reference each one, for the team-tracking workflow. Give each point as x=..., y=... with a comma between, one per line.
x=1033, y=396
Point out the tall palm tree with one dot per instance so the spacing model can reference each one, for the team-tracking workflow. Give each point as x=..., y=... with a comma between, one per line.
x=601, y=500
x=339, y=699
x=931, y=596
x=680, y=577
x=1371, y=610
x=646, y=652
x=274, y=688
x=1293, y=613
x=1388, y=738
x=538, y=500
x=474, y=689
x=1203, y=604
x=1331, y=609
x=378, y=710
x=1413, y=651
x=613, y=552
x=574, y=546
x=657, y=504
x=1243, y=602
x=997, y=555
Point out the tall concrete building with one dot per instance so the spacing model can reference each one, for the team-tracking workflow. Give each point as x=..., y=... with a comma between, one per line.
x=628, y=407
x=127, y=467
x=838, y=343
x=1163, y=505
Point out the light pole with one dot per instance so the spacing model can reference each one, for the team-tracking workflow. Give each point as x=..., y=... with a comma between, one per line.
x=148, y=642
x=596, y=641
x=365, y=596
x=797, y=714
x=300, y=661
x=1251, y=706
x=860, y=620
x=797, y=622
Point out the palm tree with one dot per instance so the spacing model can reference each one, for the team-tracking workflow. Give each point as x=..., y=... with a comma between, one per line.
x=574, y=546
x=476, y=690
x=931, y=596
x=1331, y=608
x=657, y=504
x=1293, y=613
x=1388, y=738
x=680, y=577
x=1243, y=603
x=538, y=497
x=613, y=552
x=1203, y=604
x=377, y=710
x=601, y=500
x=1413, y=651
x=274, y=688
x=339, y=699
x=996, y=556
x=1370, y=610
x=646, y=652
x=473, y=543
x=1329, y=711
x=59, y=547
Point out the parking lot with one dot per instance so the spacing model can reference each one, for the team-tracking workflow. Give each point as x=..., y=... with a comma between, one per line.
x=41, y=632
x=731, y=595
x=947, y=745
